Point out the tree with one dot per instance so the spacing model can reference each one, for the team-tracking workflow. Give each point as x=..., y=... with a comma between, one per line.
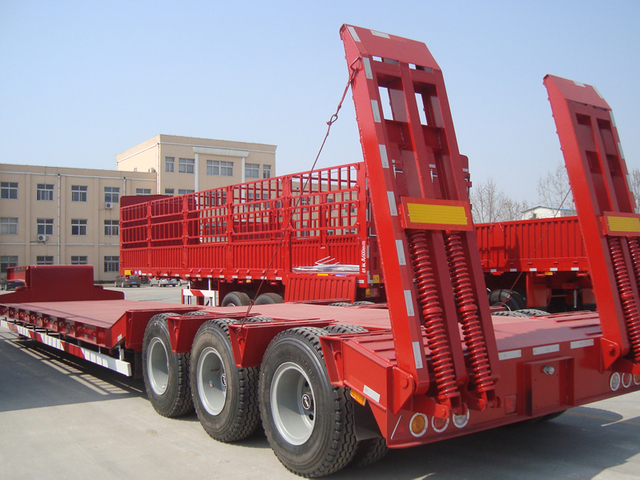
x=490, y=204
x=554, y=190
x=634, y=186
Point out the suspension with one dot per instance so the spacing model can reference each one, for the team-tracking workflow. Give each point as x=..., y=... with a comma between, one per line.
x=468, y=314
x=441, y=356
x=623, y=281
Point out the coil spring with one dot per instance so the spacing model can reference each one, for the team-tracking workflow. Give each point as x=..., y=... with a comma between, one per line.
x=432, y=313
x=467, y=309
x=634, y=249
x=629, y=306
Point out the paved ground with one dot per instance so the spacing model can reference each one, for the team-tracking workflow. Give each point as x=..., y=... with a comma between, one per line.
x=63, y=418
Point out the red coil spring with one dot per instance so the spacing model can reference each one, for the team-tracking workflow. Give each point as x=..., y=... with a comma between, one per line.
x=629, y=306
x=430, y=305
x=467, y=309
x=634, y=248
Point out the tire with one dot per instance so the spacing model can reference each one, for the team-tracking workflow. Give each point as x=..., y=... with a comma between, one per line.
x=225, y=397
x=268, y=298
x=363, y=302
x=533, y=312
x=508, y=298
x=166, y=374
x=344, y=328
x=309, y=423
x=339, y=304
x=236, y=299
x=369, y=451
x=511, y=313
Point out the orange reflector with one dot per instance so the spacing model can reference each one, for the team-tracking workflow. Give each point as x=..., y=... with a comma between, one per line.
x=418, y=424
x=437, y=214
x=358, y=397
x=621, y=224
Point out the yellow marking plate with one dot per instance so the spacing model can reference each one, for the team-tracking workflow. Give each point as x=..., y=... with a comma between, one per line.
x=621, y=224
x=436, y=214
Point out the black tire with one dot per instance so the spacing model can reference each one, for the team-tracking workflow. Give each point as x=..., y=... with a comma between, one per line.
x=236, y=299
x=345, y=328
x=533, y=312
x=268, y=298
x=258, y=319
x=309, y=422
x=363, y=302
x=166, y=374
x=511, y=313
x=225, y=397
x=339, y=304
x=510, y=299
x=369, y=451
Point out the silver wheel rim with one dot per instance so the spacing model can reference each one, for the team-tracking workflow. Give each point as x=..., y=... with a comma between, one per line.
x=292, y=404
x=158, y=366
x=212, y=381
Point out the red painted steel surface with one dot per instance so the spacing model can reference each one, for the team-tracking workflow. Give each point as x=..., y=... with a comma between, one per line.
x=259, y=230
x=544, y=245
x=597, y=172
x=410, y=151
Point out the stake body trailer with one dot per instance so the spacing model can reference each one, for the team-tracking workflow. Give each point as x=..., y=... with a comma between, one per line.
x=338, y=385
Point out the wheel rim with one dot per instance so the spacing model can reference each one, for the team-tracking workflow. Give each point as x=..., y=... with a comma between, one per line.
x=212, y=381
x=158, y=366
x=292, y=404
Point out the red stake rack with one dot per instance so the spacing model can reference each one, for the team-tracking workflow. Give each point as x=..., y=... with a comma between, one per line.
x=597, y=172
x=417, y=187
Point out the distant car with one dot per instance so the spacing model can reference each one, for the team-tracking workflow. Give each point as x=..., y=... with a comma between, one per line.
x=165, y=282
x=127, y=281
x=13, y=284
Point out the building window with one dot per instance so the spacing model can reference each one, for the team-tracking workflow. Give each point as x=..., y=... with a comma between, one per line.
x=266, y=171
x=9, y=190
x=78, y=193
x=186, y=165
x=143, y=191
x=111, y=263
x=8, y=226
x=45, y=226
x=79, y=260
x=7, y=261
x=170, y=191
x=184, y=191
x=223, y=169
x=45, y=191
x=111, y=194
x=78, y=227
x=252, y=170
x=44, y=260
x=111, y=228
x=169, y=164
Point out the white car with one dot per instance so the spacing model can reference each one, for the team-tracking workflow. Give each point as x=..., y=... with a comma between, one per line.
x=165, y=282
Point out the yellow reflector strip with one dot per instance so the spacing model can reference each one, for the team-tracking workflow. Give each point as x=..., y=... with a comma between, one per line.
x=358, y=397
x=624, y=224
x=437, y=214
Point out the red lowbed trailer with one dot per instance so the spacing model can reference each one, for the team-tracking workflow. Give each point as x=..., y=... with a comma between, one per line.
x=337, y=385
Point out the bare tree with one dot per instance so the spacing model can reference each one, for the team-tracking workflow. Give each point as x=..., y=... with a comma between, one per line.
x=490, y=204
x=554, y=190
x=634, y=186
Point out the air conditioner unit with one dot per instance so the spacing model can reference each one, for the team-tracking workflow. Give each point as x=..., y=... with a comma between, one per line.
x=42, y=238
x=108, y=205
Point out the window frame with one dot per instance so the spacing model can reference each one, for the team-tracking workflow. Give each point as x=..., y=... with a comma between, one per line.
x=42, y=189
x=44, y=226
x=187, y=165
x=9, y=190
x=79, y=193
x=170, y=164
x=110, y=226
x=112, y=196
x=78, y=225
x=252, y=170
x=111, y=263
x=7, y=225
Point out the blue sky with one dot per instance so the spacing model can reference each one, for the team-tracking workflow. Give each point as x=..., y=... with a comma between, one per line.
x=83, y=81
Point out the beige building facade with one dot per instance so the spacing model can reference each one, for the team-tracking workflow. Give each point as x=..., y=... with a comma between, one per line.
x=55, y=215
x=188, y=164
